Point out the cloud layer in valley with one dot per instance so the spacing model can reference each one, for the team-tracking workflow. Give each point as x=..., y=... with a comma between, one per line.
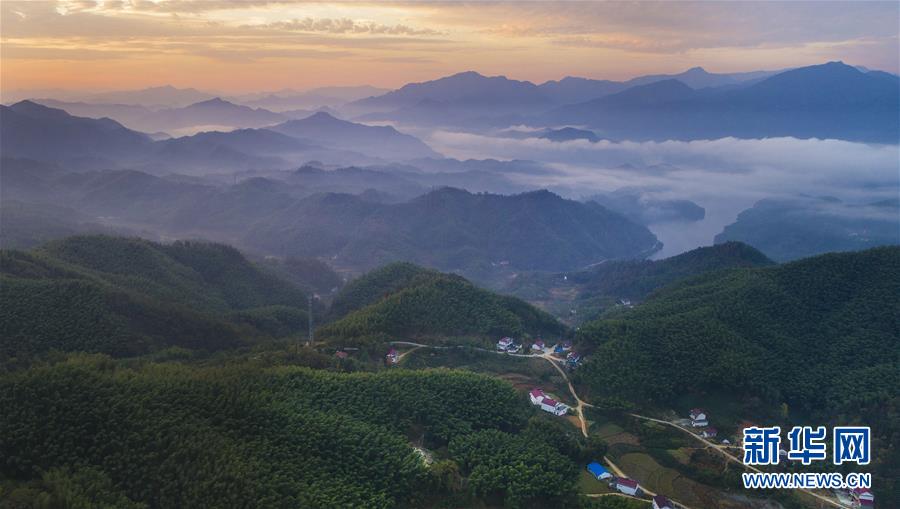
x=725, y=176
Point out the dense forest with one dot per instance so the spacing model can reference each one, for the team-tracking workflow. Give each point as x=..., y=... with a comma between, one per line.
x=138, y=374
x=753, y=332
x=127, y=296
x=593, y=291
x=405, y=301
x=90, y=429
x=246, y=424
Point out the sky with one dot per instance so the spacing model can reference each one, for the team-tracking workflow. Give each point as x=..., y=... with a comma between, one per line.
x=255, y=45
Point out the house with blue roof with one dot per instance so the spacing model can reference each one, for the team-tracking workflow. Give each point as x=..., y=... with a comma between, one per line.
x=598, y=471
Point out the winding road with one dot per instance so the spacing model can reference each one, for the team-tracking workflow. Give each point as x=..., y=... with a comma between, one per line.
x=579, y=408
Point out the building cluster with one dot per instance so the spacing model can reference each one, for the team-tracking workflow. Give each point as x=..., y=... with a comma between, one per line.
x=700, y=420
x=625, y=485
x=562, y=350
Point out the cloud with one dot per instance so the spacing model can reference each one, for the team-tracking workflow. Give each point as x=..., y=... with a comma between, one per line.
x=343, y=26
x=725, y=176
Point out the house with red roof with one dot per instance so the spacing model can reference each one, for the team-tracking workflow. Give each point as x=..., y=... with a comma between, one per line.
x=627, y=486
x=538, y=345
x=709, y=432
x=341, y=354
x=553, y=406
x=862, y=497
x=661, y=502
x=536, y=396
x=504, y=344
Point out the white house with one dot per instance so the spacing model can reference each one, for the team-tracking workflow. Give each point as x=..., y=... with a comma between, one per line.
x=536, y=396
x=698, y=418
x=709, y=432
x=627, y=486
x=553, y=406
x=538, y=345
x=661, y=502
x=504, y=344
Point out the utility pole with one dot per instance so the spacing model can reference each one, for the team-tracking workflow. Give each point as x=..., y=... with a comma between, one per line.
x=309, y=339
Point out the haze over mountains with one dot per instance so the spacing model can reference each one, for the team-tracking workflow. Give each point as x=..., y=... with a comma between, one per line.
x=161, y=248
x=245, y=177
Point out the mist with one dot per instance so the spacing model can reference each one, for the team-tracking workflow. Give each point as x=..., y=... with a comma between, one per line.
x=724, y=176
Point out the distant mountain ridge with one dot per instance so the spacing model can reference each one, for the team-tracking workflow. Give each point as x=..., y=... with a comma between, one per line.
x=788, y=229
x=453, y=229
x=28, y=129
x=35, y=131
x=377, y=141
x=832, y=100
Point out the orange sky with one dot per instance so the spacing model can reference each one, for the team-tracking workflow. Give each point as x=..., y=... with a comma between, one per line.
x=268, y=45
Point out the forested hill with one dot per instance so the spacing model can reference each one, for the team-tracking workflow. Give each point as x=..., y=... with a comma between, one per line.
x=750, y=330
x=375, y=285
x=594, y=291
x=406, y=301
x=89, y=432
x=635, y=279
x=127, y=296
x=821, y=335
x=452, y=229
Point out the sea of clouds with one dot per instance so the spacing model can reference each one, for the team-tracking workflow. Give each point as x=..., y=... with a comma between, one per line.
x=725, y=176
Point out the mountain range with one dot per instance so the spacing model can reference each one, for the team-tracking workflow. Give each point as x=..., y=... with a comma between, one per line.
x=377, y=141
x=832, y=100
x=470, y=90
x=300, y=215
x=287, y=100
x=452, y=229
x=34, y=131
x=30, y=130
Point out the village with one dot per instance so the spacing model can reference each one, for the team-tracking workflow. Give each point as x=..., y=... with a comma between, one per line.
x=696, y=423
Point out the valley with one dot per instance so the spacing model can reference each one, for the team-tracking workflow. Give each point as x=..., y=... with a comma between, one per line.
x=444, y=255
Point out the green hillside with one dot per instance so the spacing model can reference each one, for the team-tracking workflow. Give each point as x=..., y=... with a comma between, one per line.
x=594, y=290
x=820, y=335
x=375, y=285
x=128, y=296
x=411, y=302
x=90, y=432
x=635, y=279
